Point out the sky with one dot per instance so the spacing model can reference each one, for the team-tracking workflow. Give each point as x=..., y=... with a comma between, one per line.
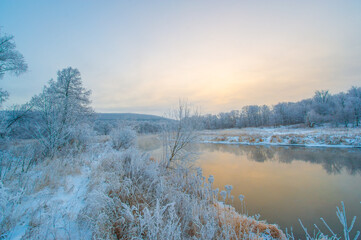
x=143, y=56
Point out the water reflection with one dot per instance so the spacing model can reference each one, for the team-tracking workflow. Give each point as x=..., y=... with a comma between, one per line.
x=287, y=183
x=348, y=159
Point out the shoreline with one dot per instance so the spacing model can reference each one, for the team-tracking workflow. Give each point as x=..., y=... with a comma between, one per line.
x=279, y=144
x=285, y=136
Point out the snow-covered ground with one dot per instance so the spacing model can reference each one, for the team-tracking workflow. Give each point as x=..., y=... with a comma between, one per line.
x=98, y=192
x=103, y=193
x=45, y=202
x=290, y=135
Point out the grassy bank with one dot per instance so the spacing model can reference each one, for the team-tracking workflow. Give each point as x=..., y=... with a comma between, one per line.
x=98, y=192
x=291, y=135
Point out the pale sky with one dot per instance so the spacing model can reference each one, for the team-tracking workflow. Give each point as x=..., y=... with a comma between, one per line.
x=142, y=56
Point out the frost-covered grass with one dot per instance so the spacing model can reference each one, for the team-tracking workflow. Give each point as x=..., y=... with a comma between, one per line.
x=290, y=135
x=134, y=197
x=99, y=191
x=104, y=193
x=44, y=201
x=330, y=234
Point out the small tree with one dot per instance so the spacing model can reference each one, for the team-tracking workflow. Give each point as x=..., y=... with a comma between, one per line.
x=178, y=134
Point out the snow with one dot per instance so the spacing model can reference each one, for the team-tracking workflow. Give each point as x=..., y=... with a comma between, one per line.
x=63, y=206
x=53, y=209
x=286, y=136
x=94, y=193
x=103, y=193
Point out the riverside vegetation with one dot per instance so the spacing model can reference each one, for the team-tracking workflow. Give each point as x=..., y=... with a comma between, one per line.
x=60, y=180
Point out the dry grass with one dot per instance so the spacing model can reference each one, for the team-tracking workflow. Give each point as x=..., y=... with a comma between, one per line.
x=220, y=139
x=275, y=139
x=287, y=135
x=53, y=172
x=242, y=225
x=202, y=208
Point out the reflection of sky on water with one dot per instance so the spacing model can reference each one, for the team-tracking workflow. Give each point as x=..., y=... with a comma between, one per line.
x=287, y=183
x=333, y=160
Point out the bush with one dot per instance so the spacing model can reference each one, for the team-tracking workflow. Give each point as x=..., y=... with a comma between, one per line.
x=123, y=138
x=79, y=137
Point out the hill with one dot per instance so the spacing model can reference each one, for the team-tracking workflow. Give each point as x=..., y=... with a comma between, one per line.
x=129, y=117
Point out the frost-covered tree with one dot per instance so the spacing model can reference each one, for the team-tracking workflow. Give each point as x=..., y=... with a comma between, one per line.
x=4, y=95
x=63, y=105
x=343, y=109
x=280, y=114
x=73, y=98
x=322, y=105
x=355, y=103
x=226, y=120
x=11, y=61
x=265, y=112
x=179, y=134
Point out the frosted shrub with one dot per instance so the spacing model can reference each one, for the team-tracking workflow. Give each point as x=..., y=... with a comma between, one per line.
x=18, y=159
x=223, y=195
x=103, y=127
x=123, y=138
x=228, y=189
x=241, y=197
x=210, y=179
x=80, y=137
x=124, y=185
x=160, y=223
x=3, y=200
x=75, y=139
x=8, y=204
x=119, y=194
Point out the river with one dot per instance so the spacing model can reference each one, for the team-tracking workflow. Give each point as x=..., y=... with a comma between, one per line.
x=284, y=184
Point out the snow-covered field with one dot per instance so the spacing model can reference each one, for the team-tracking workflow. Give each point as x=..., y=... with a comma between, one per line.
x=291, y=135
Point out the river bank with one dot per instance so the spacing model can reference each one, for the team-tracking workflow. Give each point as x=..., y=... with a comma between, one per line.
x=285, y=136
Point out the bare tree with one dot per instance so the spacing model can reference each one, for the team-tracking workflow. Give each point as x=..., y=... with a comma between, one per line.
x=178, y=134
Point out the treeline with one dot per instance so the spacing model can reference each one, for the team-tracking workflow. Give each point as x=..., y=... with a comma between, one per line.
x=104, y=127
x=342, y=109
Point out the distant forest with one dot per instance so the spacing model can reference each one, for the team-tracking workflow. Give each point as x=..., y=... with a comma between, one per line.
x=342, y=109
x=337, y=110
